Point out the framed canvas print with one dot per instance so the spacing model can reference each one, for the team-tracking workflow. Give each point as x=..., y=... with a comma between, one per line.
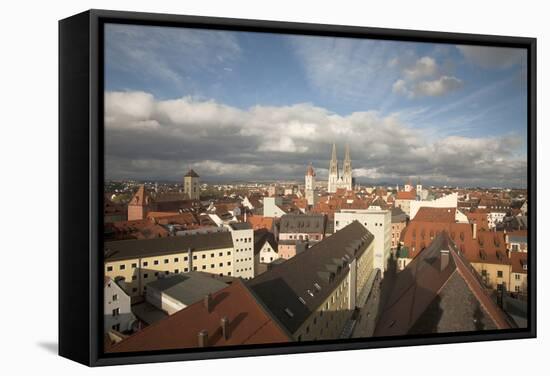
x=236, y=187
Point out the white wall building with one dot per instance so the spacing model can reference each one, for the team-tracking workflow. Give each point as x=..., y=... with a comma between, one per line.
x=117, y=312
x=449, y=201
x=494, y=217
x=378, y=222
x=243, y=249
x=272, y=207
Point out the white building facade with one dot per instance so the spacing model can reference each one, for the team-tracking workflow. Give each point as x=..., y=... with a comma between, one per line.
x=378, y=222
x=117, y=312
x=243, y=249
x=272, y=207
x=448, y=201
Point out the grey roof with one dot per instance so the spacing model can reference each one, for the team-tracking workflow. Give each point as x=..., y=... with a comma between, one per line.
x=240, y=226
x=398, y=215
x=187, y=288
x=128, y=249
x=517, y=239
x=192, y=173
x=303, y=223
x=325, y=264
x=429, y=297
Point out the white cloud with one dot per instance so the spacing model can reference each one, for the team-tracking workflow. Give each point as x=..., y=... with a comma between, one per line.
x=266, y=142
x=424, y=78
x=424, y=67
x=493, y=57
x=436, y=88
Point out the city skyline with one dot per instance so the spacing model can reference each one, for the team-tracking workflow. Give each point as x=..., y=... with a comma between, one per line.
x=232, y=108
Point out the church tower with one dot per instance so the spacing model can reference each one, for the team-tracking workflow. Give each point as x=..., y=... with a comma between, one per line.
x=139, y=205
x=333, y=171
x=310, y=185
x=347, y=178
x=191, y=185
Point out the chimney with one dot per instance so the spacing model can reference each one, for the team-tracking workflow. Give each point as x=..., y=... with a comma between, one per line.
x=208, y=302
x=474, y=230
x=444, y=259
x=203, y=338
x=226, y=331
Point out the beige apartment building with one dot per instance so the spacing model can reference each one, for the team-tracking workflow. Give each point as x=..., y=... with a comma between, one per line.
x=142, y=261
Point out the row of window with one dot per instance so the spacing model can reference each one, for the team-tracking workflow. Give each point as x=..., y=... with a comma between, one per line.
x=166, y=261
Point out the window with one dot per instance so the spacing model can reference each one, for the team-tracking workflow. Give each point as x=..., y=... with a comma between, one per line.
x=186, y=269
x=499, y=273
x=185, y=258
x=167, y=272
x=176, y=259
x=145, y=276
x=194, y=257
x=517, y=289
x=115, y=297
x=517, y=277
x=109, y=268
x=228, y=253
x=228, y=263
x=212, y=266
x=116, y=312
x=156, y=262
x=176, y=271
x=203, y=256
x=145, y=263
x=166, y=261
x=134, y=265
x=194, y=268
x=116, y=327
x=221, y=263
x=134, y=277
x=203, y=267
x=221, y=254
x=211, y=255
x=122, y=267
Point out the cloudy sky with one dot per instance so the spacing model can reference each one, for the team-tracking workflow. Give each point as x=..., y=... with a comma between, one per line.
x=246, y=106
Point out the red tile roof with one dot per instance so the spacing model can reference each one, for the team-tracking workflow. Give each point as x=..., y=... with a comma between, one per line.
x=444, y=215
x=249, y=323
x=404, y=195
x=518, y=259
x=258, y=222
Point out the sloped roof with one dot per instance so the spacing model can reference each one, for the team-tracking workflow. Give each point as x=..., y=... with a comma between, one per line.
x=128, y=249
x=324, y=264
x=302, y=223
x=249, y=323
x=192, y=173
x=426, y=214
x=518, y=260
x=141, y=197
x=429, y=294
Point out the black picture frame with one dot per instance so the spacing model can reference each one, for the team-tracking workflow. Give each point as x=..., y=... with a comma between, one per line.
x=81, y=172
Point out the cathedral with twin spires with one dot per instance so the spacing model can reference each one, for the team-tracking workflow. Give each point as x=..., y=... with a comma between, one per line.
x=335, y=178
